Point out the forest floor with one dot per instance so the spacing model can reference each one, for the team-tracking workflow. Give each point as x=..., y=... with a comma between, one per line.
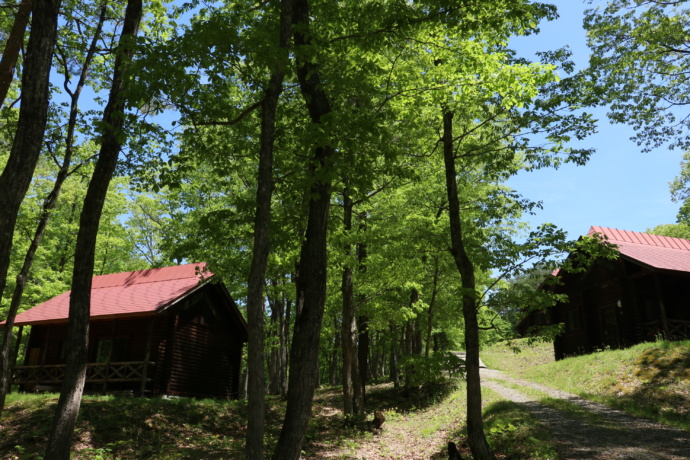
x=524, y=419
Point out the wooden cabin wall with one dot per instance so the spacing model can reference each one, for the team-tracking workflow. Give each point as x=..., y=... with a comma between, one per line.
x=676, y=290
x=205, y=362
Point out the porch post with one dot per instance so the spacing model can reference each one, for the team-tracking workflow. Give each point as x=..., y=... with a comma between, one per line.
x=662, y=307
x=13, y=359
x=106, y=374
x=147, y=357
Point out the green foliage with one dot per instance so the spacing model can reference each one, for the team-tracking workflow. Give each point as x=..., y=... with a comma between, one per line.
x=638, y=65
x=438, y=368
x=681, y=230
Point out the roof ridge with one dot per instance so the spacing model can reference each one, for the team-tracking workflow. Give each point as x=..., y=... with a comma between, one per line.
x=642, y=238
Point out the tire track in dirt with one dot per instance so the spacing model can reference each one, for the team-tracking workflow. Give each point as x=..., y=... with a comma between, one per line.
x=615, y=435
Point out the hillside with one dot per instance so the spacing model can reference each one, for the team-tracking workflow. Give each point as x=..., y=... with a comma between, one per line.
x=650, y=379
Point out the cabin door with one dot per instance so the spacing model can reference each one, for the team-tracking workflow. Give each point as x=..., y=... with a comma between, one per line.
x=609, y=327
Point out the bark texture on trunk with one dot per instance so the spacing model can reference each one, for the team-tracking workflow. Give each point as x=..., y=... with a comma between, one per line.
x=60, y=440
x=475, y=425
x=311, y=280
x=48, y=205
x=13, y=45
x=262, y=221
x=33, y=115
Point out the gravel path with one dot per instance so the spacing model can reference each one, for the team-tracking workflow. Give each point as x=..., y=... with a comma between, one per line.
x=610, y=434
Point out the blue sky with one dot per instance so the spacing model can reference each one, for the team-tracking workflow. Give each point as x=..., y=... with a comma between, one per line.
x=620, y=186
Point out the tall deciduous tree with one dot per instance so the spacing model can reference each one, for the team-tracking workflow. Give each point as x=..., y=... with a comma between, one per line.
x=33, y=115
x=59, y=443
x=475, y=430
x=48, y=205
x=311, y=279
x=260, y=250
x=13, y=45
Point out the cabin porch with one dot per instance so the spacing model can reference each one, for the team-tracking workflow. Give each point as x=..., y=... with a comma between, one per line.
x=131, y=376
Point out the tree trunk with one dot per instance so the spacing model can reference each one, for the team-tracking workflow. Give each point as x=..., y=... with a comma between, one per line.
x=395, y=377
x=311, y=280
x=48, y=205
x=432, y=302
x=284, y=345
x=262, y=220
x=333, y=371
x=277, y=358
x=13, y=45
x=59, y=443
x=363, y=320
x=353, y=399
x=363, y=351
x=33, y=115
x=475, y=426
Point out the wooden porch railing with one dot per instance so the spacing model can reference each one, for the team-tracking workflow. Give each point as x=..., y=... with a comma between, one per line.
x=130, y=371
x=677, y=329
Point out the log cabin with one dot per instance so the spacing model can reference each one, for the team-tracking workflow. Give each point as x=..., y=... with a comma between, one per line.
x=640, y=296
x=162, y=331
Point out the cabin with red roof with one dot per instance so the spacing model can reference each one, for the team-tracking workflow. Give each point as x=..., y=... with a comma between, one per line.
x=162, y=331
x=640, y=296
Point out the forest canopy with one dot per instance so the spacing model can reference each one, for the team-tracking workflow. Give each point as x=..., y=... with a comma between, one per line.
x=342, y=167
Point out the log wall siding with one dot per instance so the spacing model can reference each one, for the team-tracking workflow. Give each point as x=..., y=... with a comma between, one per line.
x=204, y=362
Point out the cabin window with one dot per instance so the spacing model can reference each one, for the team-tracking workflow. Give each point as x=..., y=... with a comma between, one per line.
x=111, y=351
x=105, y=347
x=573, y=323
x=62, y=354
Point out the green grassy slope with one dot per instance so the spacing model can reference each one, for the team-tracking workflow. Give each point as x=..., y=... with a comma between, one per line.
x=650, y=379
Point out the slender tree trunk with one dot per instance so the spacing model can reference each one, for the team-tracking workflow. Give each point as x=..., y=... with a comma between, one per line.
x=353, y=398
x=277, y=359
x=284, y=345
x=333, y=371
x=13, y=45
x=432, y=303
x=363, y=320
x=395, y=377
x=311, y=280
x=33, y=116
x=363, y=351
x=60, y=440
x=262, y=220
x=475, y=426
x=48, y=205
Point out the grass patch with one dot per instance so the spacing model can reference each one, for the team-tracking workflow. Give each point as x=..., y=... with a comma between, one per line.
x=517, y=356
x=512, y=430
x=649, y=379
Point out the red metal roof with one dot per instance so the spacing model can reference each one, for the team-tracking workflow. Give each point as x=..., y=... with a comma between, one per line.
x=660, y=252
x=124, y=294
